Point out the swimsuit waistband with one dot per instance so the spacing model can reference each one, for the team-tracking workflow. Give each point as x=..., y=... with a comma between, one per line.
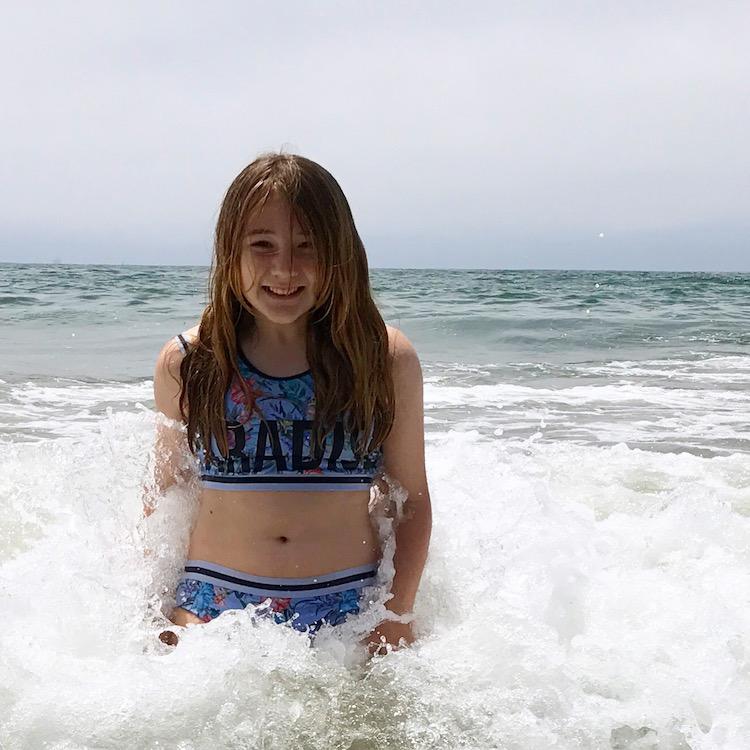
x=237, y=580
x=287, y=483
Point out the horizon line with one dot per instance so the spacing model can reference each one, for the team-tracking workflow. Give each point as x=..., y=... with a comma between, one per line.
x=388, y=268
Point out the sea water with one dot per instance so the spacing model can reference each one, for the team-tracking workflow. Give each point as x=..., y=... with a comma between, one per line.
x=588, y=579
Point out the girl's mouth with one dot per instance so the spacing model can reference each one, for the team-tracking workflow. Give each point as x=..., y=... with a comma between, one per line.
x=281, y=293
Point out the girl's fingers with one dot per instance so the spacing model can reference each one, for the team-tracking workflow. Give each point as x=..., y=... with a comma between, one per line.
x=168, y=637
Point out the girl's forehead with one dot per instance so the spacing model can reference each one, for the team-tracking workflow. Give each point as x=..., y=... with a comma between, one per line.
x=275, y=215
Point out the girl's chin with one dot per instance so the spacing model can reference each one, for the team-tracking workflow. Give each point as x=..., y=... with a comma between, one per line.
x=274, y=315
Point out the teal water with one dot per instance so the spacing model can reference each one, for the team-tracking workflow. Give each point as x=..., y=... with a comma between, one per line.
x=473, y=317
x=657, y=360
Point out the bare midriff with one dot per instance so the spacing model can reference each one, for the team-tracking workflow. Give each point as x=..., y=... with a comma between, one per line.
x=285, y=534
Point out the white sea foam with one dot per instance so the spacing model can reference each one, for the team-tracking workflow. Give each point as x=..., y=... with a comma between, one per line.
x=33, y=412
x=710, y=421
x=575, y=596
x=702, y=406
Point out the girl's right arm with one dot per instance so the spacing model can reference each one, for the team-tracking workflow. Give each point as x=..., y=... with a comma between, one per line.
x=170, y=448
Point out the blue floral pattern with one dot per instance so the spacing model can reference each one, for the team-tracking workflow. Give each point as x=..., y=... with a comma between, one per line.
x=283, y=401
x=307, y=614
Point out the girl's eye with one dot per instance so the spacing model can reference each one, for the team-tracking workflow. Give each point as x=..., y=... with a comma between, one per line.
x=264, y=246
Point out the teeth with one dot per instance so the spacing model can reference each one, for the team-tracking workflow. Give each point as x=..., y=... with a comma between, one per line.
x=277, y=290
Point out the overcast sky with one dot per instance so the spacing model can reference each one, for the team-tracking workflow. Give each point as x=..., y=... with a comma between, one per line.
x=478, y=135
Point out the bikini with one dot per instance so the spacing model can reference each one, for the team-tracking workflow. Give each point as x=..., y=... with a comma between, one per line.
x=274, y=454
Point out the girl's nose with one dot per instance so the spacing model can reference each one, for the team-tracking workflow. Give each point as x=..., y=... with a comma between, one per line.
x=283, y=261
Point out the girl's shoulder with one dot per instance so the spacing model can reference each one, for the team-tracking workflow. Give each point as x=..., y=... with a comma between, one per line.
x=192, y=333
x=188, y=337
x=399, y=345
x=405, y=366
x=167, y=383
x=173, y=351
x=167, y=379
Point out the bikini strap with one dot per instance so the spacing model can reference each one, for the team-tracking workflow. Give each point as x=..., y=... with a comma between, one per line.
x=183, y=344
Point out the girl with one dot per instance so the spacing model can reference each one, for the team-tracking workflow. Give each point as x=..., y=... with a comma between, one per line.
x=307, y=398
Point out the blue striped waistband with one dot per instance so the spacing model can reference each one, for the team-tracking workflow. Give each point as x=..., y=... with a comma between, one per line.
x=270, y=483
x=238, y=580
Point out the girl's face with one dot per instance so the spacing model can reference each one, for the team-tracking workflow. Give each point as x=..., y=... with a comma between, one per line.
x=278, y=292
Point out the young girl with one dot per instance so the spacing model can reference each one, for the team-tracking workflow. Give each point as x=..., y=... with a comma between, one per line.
x=308, y=398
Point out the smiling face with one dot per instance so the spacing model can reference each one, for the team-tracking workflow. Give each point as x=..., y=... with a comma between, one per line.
x=278, y=265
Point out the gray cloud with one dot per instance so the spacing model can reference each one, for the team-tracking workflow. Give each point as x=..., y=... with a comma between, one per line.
x=499, y=135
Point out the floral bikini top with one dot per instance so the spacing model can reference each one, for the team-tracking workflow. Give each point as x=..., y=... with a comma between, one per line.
x=275, y=453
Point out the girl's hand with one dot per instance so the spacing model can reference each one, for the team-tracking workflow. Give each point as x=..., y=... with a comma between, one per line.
x=393, y=632
x=169, y=637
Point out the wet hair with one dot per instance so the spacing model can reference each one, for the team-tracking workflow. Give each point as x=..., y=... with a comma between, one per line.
x=347, y=340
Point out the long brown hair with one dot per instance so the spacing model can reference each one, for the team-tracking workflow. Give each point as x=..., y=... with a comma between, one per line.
x=347, y=341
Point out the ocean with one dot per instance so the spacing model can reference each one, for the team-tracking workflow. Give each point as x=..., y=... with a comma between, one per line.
x=588, y=581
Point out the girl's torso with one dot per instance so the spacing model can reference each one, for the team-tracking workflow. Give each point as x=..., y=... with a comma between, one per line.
x=284, y=535
x=273, y=507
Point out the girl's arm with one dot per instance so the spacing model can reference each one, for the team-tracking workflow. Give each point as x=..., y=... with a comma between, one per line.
x=170, y=443
x=404, y=461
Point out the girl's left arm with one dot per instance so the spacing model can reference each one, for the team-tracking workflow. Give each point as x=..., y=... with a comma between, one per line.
x=404, y=461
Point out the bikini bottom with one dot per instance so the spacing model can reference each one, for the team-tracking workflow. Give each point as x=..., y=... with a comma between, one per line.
x=207, y=589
